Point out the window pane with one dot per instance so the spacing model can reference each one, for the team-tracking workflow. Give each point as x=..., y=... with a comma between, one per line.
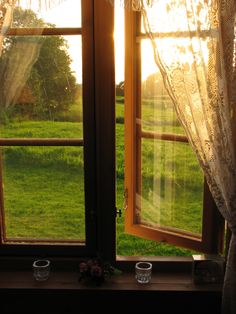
x=170, y=185
x=44, y=193
x=41, y=82
x=56, y=16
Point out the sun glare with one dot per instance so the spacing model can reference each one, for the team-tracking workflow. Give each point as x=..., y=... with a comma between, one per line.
x=72, y=9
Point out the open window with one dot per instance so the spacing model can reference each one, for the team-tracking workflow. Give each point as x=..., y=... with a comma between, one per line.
x=167, y=199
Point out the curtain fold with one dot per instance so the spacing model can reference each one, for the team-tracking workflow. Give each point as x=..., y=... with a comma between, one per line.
x=19, y=56
x=135, y=5
x=6, y=11
x=194, y=49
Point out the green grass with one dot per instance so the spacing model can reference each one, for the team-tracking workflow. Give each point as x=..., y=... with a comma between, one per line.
x=44, y=190
x=44, y=129
x=49, y=181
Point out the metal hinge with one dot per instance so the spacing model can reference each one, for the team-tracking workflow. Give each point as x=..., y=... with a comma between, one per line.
x=125, y=204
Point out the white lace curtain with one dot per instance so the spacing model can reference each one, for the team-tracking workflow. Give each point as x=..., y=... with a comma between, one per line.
x=6, y=11
x=194, y=48
x=16, y=70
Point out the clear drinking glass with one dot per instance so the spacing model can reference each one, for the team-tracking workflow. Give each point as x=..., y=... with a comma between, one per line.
x=41, y=269
x=143, y=272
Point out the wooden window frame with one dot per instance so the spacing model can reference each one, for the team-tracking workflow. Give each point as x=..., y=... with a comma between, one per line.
x=60, y=247
x=211, y=240
x=99, y=117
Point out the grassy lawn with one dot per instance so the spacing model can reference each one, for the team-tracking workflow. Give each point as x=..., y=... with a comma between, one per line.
x=44, y=191
x=44, y=199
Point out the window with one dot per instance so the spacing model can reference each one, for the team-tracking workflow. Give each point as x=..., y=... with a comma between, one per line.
x=50, y=138
x=47, y=163
x=167, y=199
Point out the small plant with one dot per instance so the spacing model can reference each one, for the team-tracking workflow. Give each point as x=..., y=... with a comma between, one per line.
x=95, y=271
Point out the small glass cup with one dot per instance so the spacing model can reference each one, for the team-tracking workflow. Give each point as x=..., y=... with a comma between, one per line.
x=143, y=272
x=41, y=269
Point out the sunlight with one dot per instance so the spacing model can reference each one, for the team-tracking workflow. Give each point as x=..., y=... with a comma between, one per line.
x=179, y=49
x=180, y=40
x=119, y=42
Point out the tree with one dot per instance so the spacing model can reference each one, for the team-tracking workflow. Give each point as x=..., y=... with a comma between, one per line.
x=38, y=67
x=153, y=85
x=58, y=84
x=120, y=89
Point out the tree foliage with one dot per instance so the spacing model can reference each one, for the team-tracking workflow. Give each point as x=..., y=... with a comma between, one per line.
x=35, y=72
x=153, y=85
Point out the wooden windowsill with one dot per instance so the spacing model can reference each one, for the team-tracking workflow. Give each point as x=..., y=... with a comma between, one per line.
x=69, y=281
x=62, y=293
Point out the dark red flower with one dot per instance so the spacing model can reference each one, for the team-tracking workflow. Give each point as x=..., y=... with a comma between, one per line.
x=96, y=271
x=83, y=267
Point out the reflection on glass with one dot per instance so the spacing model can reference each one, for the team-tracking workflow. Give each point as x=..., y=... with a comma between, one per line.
x=170, y=191
x=172, y=186
x=44, y=193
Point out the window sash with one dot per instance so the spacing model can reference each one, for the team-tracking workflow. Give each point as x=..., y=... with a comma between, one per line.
x=60, y=247
x=211, y=240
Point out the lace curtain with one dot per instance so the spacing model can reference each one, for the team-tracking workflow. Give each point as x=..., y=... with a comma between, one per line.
x=135, y=5
x=6, y=12
x=194, y=48
x=15, y=70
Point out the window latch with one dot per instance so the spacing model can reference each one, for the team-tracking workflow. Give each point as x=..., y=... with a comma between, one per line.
x=118, y=212
x=125, y=204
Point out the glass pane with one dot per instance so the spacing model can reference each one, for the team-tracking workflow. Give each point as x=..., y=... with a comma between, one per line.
x=55, y=16
x=41, y=91
x=44, y=193
x=170, y=188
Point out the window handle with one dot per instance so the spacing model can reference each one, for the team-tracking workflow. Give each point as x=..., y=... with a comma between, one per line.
x=118, y=212
x=125, y=204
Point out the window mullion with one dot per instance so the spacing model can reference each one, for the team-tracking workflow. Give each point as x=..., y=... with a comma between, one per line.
x=44, y=31
x=41, y=142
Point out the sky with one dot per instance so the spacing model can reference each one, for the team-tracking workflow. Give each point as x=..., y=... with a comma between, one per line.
x=72, y=9
x=68, y=14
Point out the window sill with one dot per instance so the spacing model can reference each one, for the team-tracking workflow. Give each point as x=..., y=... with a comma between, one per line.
x=125, y=281
x=62, y=293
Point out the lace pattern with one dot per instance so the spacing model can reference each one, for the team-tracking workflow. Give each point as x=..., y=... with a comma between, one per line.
x=198, y=66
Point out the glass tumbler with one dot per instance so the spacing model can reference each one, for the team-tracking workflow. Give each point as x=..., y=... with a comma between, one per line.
x=143, y=272
x=41, y=269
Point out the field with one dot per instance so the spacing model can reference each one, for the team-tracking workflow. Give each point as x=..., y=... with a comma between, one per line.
x=44, y=185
